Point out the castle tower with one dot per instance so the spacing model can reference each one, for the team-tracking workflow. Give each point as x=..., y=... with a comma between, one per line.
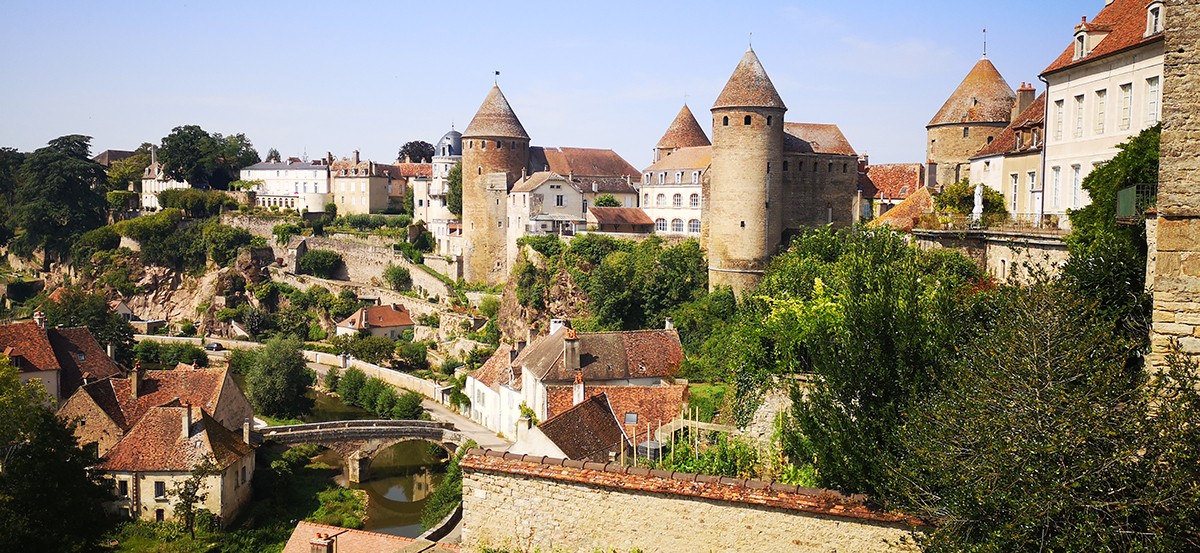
x=495, y=150
x=684, y=132
x=745, y=198
x=980, y=108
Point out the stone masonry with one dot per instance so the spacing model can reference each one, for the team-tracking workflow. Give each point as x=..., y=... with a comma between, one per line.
x=1177, y=271
x=525, y=503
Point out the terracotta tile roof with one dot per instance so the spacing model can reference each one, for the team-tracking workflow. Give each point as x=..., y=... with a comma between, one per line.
x=653, y=405
x=662, y=482
x=749, y=86
x=684, y=132
x=408, y=170
x=28, y=346
x=586, y=431
x=349, y=541
x=495, y=118
x=894, y=181
x=816, y=138
x=107, y=157
x=620, y=216
x=198, y=387
x=904, y=214
x=983, y=96
x=1126, y=22
x=534, y=180
x=1033, y=117
x=378, y=316
x=496, y=370
x=699, y=157
x=81, y=357
x=607, y=355
x=364, y=168
x=156, y=443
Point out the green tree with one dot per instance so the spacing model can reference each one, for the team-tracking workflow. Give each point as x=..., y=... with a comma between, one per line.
x=321, y=263
x=273, y=156
x=607, y=200
x=190, y=494
x=454, y=181
x=416, y=151
x=92, y=241
x=49, y=501
x=10, y=174
x=188, y=155
x=284, y=232
x=77, y=307
x=126, y=173
x=59, y=198
x=959, y=198
x=279, y=379
x=372, y=349
x=407, y=406
x=332, y=376
x=351, y=384
x=398, y=278
x=232, y=154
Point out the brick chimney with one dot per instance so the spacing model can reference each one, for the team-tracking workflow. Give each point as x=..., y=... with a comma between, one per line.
x=571, y=350
x=1025, y=97
x=135, y=379
x=39, y=318
x=186, y=426
x=321, y=543
x=246, y=431
x=577, y=389
x=668, y=324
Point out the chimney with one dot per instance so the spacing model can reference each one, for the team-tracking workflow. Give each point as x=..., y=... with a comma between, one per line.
x=556, y=324
x=112, y=351
x=153, y=155
x=512, y=354
x=520, y=346
x=246, y=431
x=1025, y=96
x=39, y=318
x=355, y=158
x=668, y=324
x=322, y=543
x=524, y=424
x=186, y=427
x=577, y=389
x=135, y=379
x=571, y=350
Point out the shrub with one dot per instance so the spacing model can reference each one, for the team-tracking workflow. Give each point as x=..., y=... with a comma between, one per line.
x=399, y=278
x=92, y=241
x=350, y=384
x=321, y=263
x=284, y=231
x=408, y=406
x=331, y=378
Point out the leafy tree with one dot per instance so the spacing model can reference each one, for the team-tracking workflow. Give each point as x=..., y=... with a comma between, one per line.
x=124, y=174
x=398, y=278
x=279, y=379
x=196, y=202
x=232, y=154
x=188, y=155
x=284, y=232
x=959, y=198
x=10, y=172
x=332, y=376
x=408, y=406
x=413, y=354
x=351, y=384
x=273, y=156
x=77, y=307
x=454, y=182
x=59, y=197
x=607, y=200
x=48, y=499
x=222, y=242
x=369, y=392
x=416, y=151
x=190, y=494
x=321, y=263
x=121, y=200
x=92, y=241
x=372, y=349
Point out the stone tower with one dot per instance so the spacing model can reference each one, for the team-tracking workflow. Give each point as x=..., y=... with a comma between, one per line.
x=980, y=108
x=495, y=153
x=745, y=197
x=684, y=132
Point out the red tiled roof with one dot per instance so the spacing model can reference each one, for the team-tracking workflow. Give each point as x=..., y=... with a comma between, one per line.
x=28, y=345
x=1033, y=117
x=654, y=405
x=349, y=541
x=156, y=443
x=198, y=387
x=586, y=431
x=904, y=214
x=413, y=170
x=534, y=180
x=684, y=132
x=81, y=357
x=607, y=355
x=495, y=371
x=1126, y=22
x=699, y=157
x=620, y=216
x=749, y=86
x=816, y=138
x=378, y=316
x=894, y=181
x=982, y=97
x=495, y=118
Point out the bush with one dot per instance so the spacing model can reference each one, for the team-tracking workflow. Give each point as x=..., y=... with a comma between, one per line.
x=321, y=263
x=959, y=198
x=196, y=202
x=350, y=384
x=92, y=241
x=332, y=376
x=284, y=231
x=408, y=406
x=548, y=245
x=489, y=306
x=398, y=278
x=448, y=495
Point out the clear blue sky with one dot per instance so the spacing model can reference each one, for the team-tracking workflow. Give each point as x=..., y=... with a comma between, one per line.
x=339, y=76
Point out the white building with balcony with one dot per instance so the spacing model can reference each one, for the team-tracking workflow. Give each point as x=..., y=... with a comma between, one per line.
x=293, y=184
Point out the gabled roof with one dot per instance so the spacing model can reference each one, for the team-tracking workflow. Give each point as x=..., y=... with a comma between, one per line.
x=749, y=86
x=413, y=170
x=495, y=118
x=894, y=181
x=108, y=157
x=81, y=357
x=983, y=96
x=28, y=346
x=1126, y=22
x=586, y=430
x=156, y=442
x=699, y=157
x=816, y=138
x=1033, y=117
x=534, y=180
x=283, y=166
x=378, y=316
x=901, y=217
x=654, y=405
x=198, y=387
x=591, y=169
x=607, y=355
x=620, y=216
x=684, y=132
x=496, y=371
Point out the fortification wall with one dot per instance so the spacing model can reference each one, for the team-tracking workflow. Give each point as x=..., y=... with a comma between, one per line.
x=527, y=504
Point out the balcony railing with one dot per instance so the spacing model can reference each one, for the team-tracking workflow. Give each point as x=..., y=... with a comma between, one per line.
x=1134, y=200
x=1013, y=222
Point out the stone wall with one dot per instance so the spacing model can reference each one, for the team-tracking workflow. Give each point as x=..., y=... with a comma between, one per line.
x=947, y=147
x=814, y=198
x=1177, y=259
x=532, y=503
x=1004, y=254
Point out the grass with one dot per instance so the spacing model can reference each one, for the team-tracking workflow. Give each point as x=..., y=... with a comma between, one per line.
x=708, y=399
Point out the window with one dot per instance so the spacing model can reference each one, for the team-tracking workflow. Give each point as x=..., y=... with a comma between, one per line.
x=646, y=199
x=747, y=120
x=1058, y=119
x=695, y=177
x=1079, y=116
x=499, y=145
x=585, y=206
x=1076, y=179
x=1031, y=178
x=159, y=515
x=1151, y=100
x=631, y=418
x=694, y=226
x=1079, y=45
x=243, y=475
x=160, y=489
x=1154, y=19
x=725, y=121
x=1056, y=179
x=1126, y=104
x=785, y=166
x=768, y=120
x=660, y=200
x=660, y=225
x=1101, y=108
x=122, y=488
x=662, y=178
x=560, y=201
x=677, y=200
x=676, y=225
x=694, y=200
x=1013, y=199
x=678, y=177
x=966, y=132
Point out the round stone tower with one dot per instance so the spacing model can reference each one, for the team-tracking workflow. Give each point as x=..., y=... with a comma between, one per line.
x=684, y=132
x=743, y=206
x=978, y=111
x=495, y=154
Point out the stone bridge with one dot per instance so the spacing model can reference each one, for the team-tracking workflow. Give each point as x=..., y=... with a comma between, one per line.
x=358, y=441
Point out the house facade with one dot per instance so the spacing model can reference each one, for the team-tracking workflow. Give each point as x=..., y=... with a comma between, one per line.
x=61, y=359
x=360, y=187
x=429, y=196
x=293, y=184
x=387, y=321
x=1012, y=163
x=155, y=180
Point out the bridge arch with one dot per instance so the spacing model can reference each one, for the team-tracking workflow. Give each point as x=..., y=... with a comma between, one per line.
x=358, y=441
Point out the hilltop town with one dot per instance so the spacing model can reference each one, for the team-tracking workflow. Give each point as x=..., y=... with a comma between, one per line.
x=754, y=339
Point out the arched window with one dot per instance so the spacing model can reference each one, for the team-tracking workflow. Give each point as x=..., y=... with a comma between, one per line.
x=725, y=121
x=660, y=225
x=677, y=200
x=694, y=226
x=646, y=200
x=694, y=200
x=768, y=120
x=661, y=201
x=747, y=120
x=676, y=225
x=499, y=145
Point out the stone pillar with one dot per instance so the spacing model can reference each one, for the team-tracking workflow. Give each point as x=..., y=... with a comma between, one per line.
x=1177, y=270
x=358, y=467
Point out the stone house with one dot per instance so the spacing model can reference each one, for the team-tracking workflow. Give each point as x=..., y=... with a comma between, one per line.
x=978, y=110
x=62, y=359
x=672, y=191
x=160, y=452
x=885, y=185
x=587, y=431
x=1012, y=163
x=155, y=180
x=292, y=184
x=387, y=321
x=359, y=186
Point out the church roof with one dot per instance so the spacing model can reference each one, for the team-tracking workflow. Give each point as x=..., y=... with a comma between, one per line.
x=684, y=132
x=749, y=86
x=982, y=97
x=496, y=118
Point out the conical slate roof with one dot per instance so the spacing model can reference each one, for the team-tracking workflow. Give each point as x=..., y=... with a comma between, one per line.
x=495, y=118
x=684, y=132
x=982, y=97
x=749, y=86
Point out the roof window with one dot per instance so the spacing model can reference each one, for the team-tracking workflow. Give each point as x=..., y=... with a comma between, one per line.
x=1154, y=22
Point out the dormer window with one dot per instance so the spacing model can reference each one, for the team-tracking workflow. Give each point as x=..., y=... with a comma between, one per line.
x=1154, y=23
x=1080, y=45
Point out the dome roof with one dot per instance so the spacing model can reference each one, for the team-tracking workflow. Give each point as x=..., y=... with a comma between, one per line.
x=749, y=86
x=449, y=145
x=982, y=97
x=495, y=118
x=684, y=132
